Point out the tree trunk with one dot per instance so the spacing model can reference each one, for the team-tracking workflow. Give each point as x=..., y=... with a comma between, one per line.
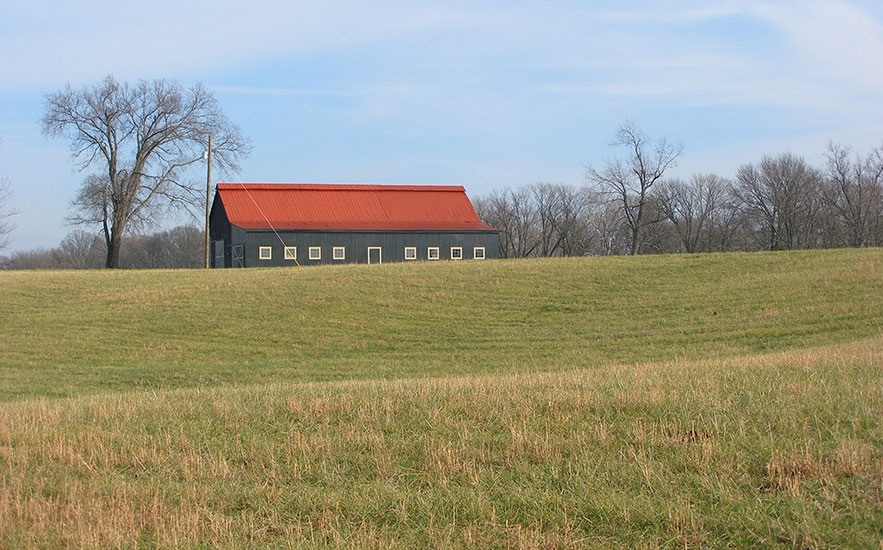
x=638, y=220
x=114, y=240
x=113, y=254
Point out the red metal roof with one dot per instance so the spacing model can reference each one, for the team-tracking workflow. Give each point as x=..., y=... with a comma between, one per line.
x=326, y=207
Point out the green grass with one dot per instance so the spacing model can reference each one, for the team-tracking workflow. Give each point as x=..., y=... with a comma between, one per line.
x=70, y=333
x=679, y=401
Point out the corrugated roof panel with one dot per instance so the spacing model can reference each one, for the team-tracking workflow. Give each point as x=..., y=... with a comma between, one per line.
x=326, y=207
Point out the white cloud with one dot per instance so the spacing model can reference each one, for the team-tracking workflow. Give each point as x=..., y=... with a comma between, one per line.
x=279, y=92
x=834, y=37
x=814, y=54
x=495, y=86
x=83, y=41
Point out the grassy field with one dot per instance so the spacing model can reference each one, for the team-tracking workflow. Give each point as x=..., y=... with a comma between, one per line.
x=73, y=333
x=667, y=401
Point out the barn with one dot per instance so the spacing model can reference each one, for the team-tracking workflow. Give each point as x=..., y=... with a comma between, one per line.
x=263, y=225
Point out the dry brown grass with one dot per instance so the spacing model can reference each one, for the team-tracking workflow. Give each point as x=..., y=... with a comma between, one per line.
x=656, y=402
x=770, y=449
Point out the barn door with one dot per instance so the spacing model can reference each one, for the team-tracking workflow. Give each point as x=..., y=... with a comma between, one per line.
x=238, y=256
x=218, y=248
x=375, y=255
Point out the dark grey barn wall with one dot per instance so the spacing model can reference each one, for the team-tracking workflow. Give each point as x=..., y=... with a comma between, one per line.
x=230, y=236
x=356, y=246
x=221, y=230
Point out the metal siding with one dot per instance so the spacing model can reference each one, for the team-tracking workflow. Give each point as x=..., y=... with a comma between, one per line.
x=348, y=207
x=219, y=230
x=356, y=245
x=236, y=237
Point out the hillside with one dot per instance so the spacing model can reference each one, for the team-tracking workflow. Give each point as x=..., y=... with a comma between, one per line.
x=679, y=401
x=69, y=333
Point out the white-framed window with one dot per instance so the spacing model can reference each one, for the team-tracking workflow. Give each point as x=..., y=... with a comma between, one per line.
x=265, y=253
x=315, y=252
x=338, y=253
x=290, y=253
x=432, y=253
x=478, y=253
x=410, y=252
x=456, y=252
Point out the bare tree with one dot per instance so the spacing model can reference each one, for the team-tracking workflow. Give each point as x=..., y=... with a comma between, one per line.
x=875, y=161
x=514, y=214
x=574, y=236
x=6, y=213
x=180, y=247
x=546, y=204
x=80, y=250
x=31, y=259
x=854, y=190
x=141, y=139
x=542, y=219
x=563, y=225
x=605, y=225
x=629, y=181
x=698, y=210
x=781, y=198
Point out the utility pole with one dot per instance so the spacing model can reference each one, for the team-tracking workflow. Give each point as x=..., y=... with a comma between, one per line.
x=208, y=199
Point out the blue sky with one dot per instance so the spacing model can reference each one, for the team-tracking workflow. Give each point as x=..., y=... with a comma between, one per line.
x=482, y=94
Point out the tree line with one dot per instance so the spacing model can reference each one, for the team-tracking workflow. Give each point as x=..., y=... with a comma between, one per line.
x=180, y=247
x=141, y=143
x=627, y=206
